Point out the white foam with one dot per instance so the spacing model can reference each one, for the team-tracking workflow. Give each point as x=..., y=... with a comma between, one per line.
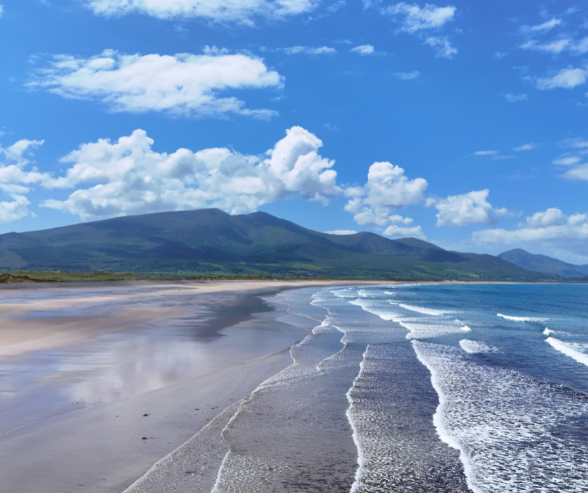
x=474, y=347
x=383, y=314
x=506, y=425
x=344, y=293
x=573, y=350
x=353, y=424
x=425, y=311
x=522, y=319
x=391, y=293
x=465, y=328
x=428, y=330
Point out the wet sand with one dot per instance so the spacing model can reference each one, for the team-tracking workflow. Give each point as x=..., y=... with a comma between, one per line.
x=94, y=345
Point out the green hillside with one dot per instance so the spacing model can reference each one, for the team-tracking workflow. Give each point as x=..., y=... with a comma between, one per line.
x=209, y=241
x=543, y=263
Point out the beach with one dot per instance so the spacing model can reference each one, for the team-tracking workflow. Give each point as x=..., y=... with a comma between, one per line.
x=89, y=370
x=283, y=388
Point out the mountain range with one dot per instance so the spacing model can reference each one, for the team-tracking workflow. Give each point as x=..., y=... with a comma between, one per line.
x=209, y=241
x=543, y=263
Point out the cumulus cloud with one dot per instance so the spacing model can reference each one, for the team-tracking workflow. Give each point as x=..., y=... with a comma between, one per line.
x=407, y=75
x=309, y=50
x=222, y=11
x=525, y=147
x=567, y=78
x=469, y=208
x=395, y=231
x=551, y=229
x=442, y=46
x=15, y=179
x=387, y=189
x=363, y=50
x=129, y=177
x=415, y=18
x=184, y=84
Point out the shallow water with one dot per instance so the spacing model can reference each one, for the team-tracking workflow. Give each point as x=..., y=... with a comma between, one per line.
x=447, y=388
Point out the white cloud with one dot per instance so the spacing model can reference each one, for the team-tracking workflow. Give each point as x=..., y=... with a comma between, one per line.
x=485, y=153
x=553, y=47
x=546, y=26
x=578, y=173
x=309, y=50
x=182, y=84
x=395, y=231
x=577, y=143
x=407, y=75
x=580, y=47
x=550, y=229
x=238, y=11
x=567, y=78
x=568, y=161
x=363, y=49
x=14, y=177
x=558, y=46
x=386, y=190
x=14, y=210
x=416, y=18
x=1, y=10
x=442, y=46
x=514, y=98
x=469, y=208
x=575, y=161
x=129, y=177
x=525, y=147
x=342, y=232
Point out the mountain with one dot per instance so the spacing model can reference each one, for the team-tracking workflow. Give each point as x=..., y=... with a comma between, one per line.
x=209, y=241
x=543, y=263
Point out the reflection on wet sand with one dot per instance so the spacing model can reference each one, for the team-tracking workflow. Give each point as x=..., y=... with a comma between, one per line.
x=62, y=350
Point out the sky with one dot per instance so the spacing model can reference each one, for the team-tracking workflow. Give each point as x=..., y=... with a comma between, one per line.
x=461, y=123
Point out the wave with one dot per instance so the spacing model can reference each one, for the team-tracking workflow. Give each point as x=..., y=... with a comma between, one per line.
x=383, y=314
x=344, y=293
x=425, y=311
x=391, y=293
x=383, y=420
x=522, y=319
x=573, y=350
x=426, y=331
x=506, y=425
x=474, y=347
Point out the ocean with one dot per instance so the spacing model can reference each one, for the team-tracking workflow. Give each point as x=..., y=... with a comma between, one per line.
x=417, y=388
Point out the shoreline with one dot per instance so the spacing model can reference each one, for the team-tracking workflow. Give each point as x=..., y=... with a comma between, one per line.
x=100, y=448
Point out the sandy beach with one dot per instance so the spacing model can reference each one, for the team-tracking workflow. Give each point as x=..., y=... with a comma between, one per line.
x=102, y=381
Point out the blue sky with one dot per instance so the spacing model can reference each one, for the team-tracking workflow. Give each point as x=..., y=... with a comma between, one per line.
x=463, y=123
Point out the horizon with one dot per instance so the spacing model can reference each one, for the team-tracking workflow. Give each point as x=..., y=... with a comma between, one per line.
x=462, y=125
